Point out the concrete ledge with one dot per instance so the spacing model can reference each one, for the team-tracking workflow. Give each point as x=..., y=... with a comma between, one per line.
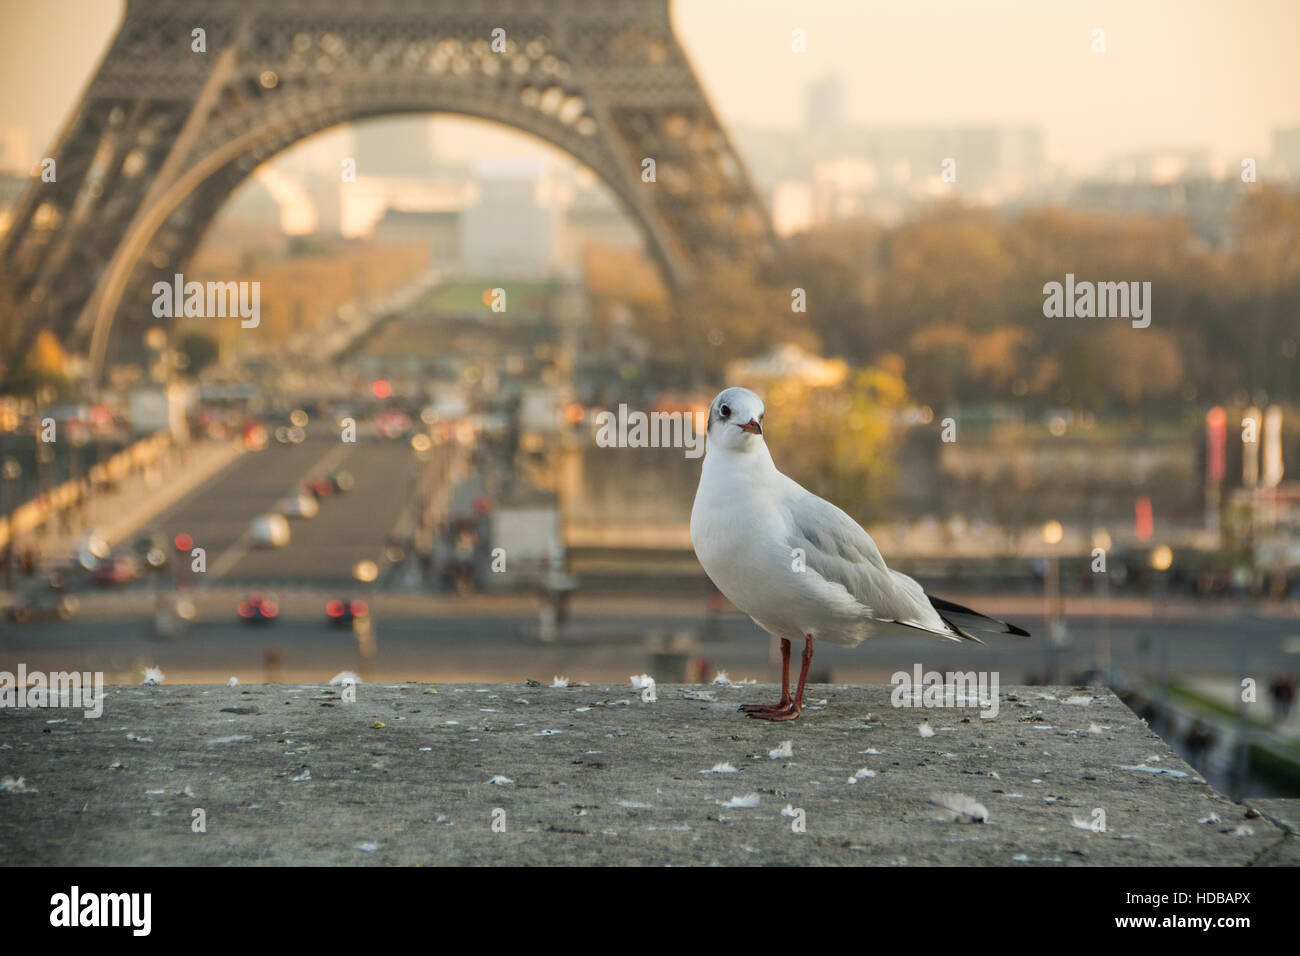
x=294, y=775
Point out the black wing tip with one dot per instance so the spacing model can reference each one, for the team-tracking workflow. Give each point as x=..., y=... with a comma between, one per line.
x=942, y=606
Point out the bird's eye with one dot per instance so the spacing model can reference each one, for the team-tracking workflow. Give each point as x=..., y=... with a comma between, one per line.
x=726, y=411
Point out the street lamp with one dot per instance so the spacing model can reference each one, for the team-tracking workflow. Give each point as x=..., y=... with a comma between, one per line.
x=1101, y=542
x=156, y=341
x=366, y=571
x=363, y=624
x=44, y=462
x=1162, y=558
x=1053, y=534
x=78, y=439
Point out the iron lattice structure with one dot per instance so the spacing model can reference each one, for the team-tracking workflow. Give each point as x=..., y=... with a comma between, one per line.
x=163, y=134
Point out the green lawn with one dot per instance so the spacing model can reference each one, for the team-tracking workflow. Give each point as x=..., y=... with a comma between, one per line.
x=466, y=295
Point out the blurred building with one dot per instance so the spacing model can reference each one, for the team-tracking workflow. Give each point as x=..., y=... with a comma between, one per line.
x=513, y=229
x=1286, y=151
x=832, y=170
x=438, y=229
x=596, y=216
x=791, y=202
x=1206, y=204
x=1160, y=166
x=395, y=148
x=252, y=202
x=824, y=104
x=14, y=171
x=787, y=363
x=14, y=149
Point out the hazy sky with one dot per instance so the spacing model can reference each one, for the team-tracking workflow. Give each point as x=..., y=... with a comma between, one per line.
x=1221, y=75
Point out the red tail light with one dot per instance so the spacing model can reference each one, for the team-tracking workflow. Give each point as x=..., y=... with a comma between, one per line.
x=270, y=608
x=360, y=608
x=334, y=608
x=245, y=610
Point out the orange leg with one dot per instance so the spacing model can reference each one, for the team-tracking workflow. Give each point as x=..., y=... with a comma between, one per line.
x=785, y=686
x=794, y=707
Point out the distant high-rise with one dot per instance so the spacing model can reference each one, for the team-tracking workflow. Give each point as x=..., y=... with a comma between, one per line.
x=395, y=148
x=14, y=150
x=824, y=104
x=1286, y=150
x=1159, y=165
x=514, y=228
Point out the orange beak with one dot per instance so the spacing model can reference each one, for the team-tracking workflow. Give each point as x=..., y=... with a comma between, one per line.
x=753, y=427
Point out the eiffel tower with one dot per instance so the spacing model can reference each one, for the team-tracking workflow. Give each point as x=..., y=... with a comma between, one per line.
x=164, y=132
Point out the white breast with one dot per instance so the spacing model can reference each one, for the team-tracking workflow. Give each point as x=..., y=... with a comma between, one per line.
x=741, y=538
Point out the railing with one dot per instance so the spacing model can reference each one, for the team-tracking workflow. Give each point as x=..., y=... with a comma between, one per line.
x=32, y=515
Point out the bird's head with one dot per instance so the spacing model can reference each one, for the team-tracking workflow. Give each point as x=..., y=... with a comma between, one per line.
x=736, y=420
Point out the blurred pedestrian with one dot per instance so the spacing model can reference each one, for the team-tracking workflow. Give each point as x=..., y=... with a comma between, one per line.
x=1282, y=690
x=1200, y=738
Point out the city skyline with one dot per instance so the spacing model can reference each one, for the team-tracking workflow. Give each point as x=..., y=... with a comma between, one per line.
x=1162, y=82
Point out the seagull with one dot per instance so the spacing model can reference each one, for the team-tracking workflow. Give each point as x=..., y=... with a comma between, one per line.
x=795, y=563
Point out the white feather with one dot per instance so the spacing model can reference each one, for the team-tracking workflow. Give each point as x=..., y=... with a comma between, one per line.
x=961, y=808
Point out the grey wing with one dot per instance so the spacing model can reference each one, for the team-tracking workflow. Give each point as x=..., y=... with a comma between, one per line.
x=840, y=550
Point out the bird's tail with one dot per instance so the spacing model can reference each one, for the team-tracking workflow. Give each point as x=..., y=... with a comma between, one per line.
x=958, y=617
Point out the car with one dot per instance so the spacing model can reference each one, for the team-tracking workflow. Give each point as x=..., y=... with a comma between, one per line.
x=298, y=506
x=392, y=424
x=254, y=436
x=91, y=550
x=43, y=604
x=340, y=611
x=257, y=608
x=319, y=487
x=342, y=480
x=269, y=531
x=173, y=616
x=115, y=570
x=152, y=550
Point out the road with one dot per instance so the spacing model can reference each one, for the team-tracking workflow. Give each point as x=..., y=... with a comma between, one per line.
x=494, y=637
x=322, y=550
